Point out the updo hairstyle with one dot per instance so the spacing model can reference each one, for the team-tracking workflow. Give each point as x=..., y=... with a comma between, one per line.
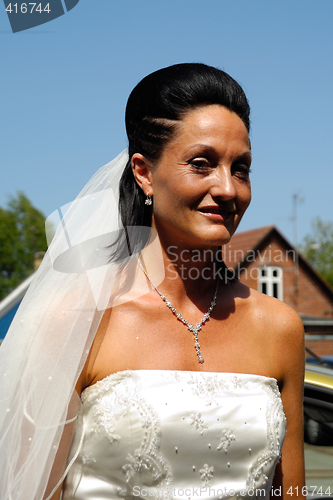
x=153, y=109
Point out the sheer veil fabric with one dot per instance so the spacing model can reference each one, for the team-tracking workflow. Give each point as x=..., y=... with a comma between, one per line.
x=49, y=339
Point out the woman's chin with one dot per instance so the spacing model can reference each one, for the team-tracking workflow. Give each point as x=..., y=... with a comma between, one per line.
x=220, y=235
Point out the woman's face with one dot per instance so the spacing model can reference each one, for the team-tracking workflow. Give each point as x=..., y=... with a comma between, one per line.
x=201, y=185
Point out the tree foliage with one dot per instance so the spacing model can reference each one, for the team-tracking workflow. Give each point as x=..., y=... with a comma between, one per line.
x=318, y=248
x=22, y=234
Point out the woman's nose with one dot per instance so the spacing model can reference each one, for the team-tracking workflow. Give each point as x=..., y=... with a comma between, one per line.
x=223, y=184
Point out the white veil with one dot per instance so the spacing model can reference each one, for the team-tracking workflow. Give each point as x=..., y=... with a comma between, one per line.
x=46, y=347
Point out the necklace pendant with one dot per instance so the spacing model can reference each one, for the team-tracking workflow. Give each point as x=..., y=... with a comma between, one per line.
x=194, y=329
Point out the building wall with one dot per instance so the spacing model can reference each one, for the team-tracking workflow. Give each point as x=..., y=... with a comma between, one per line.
x=302, y=294
x=322, y=345
x=311, y=299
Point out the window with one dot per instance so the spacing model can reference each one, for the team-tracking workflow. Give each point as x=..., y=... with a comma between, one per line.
x=271, y=281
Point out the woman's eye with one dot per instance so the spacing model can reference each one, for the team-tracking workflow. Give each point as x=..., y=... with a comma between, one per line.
x=200, y=163
x=242, y=171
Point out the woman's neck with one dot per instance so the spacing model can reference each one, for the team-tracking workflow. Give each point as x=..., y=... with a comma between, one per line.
x=189, y=273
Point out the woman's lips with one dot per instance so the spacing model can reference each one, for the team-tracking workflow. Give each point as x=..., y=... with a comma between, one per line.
x=216, y=213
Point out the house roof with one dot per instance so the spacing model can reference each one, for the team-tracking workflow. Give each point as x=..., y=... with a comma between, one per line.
x=243, y=244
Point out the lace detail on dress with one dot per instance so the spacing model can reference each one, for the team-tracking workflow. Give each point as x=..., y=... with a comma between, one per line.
x=148, y=457
x=210, y=386
x=198, y=423
x=116, y=400
x=105, y=418
x=226, y=439
x=206, y=474
x=274, y=417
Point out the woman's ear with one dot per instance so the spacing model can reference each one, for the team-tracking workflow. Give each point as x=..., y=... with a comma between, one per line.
x=142, y=173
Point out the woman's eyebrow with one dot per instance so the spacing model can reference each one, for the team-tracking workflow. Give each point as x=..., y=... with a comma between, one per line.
x=206, y=146
x=245, y=153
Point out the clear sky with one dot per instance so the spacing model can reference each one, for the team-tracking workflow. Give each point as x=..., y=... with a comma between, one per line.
x=64, y=86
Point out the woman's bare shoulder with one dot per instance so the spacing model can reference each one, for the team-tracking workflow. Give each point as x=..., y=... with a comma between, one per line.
x=274, y=313
x=273, y=322
x=284, y=328
x=277, y=332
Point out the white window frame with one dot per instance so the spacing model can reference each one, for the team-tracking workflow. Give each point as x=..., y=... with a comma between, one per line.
x=270, y=280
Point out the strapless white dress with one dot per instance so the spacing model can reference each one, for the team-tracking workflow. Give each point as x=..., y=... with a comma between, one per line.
x=181, y=435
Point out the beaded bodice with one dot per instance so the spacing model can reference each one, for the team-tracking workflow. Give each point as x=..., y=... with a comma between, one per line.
x=173, y=434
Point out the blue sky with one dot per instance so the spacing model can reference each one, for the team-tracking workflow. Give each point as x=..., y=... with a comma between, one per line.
x=64, y=86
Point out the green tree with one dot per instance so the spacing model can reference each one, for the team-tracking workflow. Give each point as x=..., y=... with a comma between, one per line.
x=318, y=248
x=22, y=234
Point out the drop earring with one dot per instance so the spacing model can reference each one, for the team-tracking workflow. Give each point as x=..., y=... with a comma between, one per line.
x=148, y=200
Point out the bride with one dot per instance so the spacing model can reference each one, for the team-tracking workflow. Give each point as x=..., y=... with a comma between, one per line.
x=187, y=377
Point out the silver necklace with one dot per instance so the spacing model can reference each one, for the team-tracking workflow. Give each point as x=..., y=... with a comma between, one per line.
x=194, y=329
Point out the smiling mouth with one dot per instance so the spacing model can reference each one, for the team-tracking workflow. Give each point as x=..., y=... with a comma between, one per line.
x=216, y=212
